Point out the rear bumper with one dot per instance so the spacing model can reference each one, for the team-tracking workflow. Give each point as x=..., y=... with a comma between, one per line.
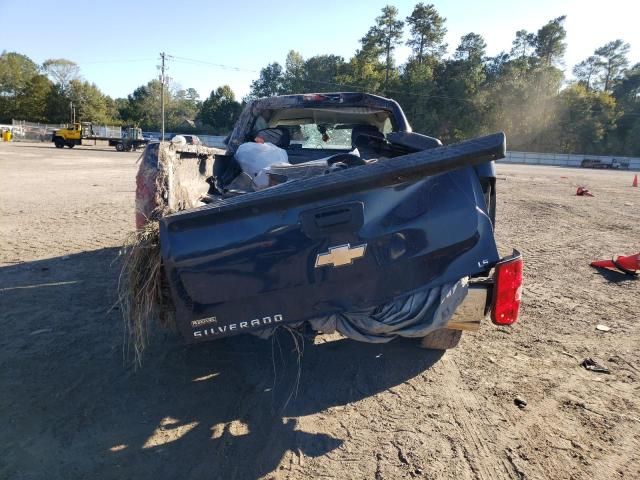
x=474, y=308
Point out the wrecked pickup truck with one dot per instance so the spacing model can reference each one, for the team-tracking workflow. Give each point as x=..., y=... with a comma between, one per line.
x=326, y=211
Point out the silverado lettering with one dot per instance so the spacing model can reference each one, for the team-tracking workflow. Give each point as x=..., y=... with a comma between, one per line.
x=255, y=323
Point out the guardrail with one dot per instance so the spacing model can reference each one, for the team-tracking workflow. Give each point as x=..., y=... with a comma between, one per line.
x=569, y=159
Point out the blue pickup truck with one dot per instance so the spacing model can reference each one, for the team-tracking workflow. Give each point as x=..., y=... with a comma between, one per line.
x=326, y=211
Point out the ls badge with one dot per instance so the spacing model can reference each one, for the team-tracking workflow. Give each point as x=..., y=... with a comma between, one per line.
x=340, y=256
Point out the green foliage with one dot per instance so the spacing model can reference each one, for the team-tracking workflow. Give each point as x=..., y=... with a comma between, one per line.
x=220, y=110
x=143, y=107
x=613, y=59
x=627, y=91
x=418, y=77
x=458, y=100
x=372, y=69
x=471, y=49
x=386, y=34
x=587, y=71
x=32, y=99
x=549, y=41
x=321, y=72
x=427, y=32
x=294, y=75
x=362, y=74
x=271, y=82
x=521, y=97
x=585, y=119
x=16, y=71
x=90, y=103
x=605, y=67
x=626, y=138
x=182, y=105
x=523, y=44
x=57, y=107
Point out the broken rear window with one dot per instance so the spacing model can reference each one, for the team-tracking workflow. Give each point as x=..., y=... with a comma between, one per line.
x=326, y=128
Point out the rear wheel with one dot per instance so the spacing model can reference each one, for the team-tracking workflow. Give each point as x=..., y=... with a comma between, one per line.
x=71, y=145
x=59, y=143
x=120, y=147
x=442, y=339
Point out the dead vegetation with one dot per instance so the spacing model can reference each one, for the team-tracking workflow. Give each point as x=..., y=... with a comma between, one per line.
x=140, y=292
x=143, y=298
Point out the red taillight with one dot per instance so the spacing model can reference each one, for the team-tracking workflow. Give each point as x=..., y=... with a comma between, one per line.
x=507, y=290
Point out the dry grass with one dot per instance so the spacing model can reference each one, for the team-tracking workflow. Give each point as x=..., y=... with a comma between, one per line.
x=142, y=296
x=140, y=289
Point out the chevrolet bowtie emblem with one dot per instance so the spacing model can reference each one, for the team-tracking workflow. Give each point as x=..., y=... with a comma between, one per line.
x=340, y=256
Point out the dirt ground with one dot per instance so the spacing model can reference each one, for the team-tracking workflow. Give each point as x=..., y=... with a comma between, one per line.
x=71, y=407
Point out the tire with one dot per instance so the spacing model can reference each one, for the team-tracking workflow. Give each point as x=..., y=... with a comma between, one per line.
x=58, y=143
x=442, y=339
x=70, y=145
x=120, y=147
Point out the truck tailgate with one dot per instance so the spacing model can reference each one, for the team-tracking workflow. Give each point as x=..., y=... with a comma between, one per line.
x=331, y=243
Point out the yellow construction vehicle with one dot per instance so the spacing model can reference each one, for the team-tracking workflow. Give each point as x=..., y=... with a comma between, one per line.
x=126, y=140
x=69, y=137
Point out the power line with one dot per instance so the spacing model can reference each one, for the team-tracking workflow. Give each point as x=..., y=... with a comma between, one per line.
x=212, y=64
x=132, y=60
x=193, y=61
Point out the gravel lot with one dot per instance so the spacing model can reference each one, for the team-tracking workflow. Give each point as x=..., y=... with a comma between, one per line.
x=72, y=407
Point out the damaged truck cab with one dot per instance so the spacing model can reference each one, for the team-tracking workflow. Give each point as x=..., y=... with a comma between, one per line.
x=327, y=210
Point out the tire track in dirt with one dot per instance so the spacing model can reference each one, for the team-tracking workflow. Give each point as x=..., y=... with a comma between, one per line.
x=474, y=426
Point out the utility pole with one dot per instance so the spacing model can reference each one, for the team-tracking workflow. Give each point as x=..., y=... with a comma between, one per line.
x=162, y=80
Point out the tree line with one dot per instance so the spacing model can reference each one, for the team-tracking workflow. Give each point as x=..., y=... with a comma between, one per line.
x=45, y=93
x=523, y=91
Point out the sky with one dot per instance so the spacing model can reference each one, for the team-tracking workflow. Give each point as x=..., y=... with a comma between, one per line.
x=213, y=43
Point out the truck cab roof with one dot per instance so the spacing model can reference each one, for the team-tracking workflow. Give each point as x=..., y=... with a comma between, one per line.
x=339, y=111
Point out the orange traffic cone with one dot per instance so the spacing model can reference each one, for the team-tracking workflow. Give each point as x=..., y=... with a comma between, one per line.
x=629, y=264
x=635, y=181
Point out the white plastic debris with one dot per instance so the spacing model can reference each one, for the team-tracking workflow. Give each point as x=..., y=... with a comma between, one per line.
x=179, y=140
x=603, y=328
x=256, y=158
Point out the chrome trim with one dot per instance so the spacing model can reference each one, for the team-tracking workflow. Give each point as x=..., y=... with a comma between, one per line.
x=340, y=255
x=472, y=310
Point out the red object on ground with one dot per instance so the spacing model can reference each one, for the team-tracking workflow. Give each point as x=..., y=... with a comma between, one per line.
x=635, y=181
x=629, y=264
x=507, y=290
x=583, y=192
